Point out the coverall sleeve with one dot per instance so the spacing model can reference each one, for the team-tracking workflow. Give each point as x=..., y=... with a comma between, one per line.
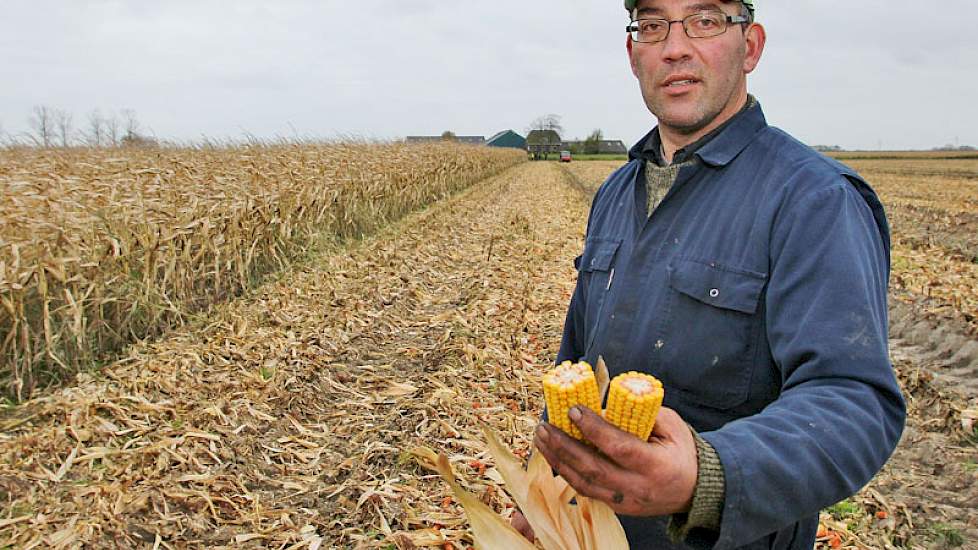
x=840, y=412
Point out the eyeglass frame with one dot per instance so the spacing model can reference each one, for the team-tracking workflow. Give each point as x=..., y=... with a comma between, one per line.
x=728, y=19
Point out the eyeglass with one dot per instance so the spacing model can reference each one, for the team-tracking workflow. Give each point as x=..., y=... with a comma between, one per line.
x=698, y=25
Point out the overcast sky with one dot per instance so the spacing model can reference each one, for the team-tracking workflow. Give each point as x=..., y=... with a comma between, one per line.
x=892, y=73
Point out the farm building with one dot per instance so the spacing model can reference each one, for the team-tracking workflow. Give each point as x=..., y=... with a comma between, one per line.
x=540, y=143
x=604, y=146
x=472, y=140
x=507, y=138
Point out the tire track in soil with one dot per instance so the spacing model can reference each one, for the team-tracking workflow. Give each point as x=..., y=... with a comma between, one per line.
x=285, y=420
x=928, y=490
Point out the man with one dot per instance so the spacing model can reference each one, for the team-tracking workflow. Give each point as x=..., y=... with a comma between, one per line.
x=749, y=274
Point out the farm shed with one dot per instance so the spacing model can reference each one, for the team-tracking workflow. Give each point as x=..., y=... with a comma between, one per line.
x=507, y=138
x=540, y=143
x=604, y=146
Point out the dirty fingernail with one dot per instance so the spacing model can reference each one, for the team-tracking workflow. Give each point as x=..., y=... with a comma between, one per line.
x=575, y=414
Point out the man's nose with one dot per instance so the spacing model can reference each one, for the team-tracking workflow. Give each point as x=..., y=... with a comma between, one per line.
x=676, y=45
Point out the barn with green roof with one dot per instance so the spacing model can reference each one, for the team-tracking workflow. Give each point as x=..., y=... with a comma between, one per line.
x=507, y=138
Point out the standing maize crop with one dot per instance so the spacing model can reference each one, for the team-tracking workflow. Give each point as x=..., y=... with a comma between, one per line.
x=100, y=247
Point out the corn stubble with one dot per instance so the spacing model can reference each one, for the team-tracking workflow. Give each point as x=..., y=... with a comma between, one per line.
x=102, y=247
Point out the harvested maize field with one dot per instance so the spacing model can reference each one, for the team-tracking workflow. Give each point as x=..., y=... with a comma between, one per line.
x=286, y=418
x=102, y=247
x=926, y=496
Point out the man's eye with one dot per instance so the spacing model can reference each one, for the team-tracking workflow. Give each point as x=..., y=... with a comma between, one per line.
x=651, y=26
x=706, y=22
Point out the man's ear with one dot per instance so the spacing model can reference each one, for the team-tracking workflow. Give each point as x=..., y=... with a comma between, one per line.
x=631, y=58
x=756, y=38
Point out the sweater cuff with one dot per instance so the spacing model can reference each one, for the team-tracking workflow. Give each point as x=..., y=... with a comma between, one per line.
x=708, y=496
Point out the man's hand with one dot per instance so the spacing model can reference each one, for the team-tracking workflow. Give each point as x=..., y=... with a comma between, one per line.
x=635, y=477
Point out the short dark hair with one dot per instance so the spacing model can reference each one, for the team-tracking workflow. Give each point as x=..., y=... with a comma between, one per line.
x=744, y=10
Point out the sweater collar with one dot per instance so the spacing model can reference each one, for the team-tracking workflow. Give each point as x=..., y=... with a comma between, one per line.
x=716, y=148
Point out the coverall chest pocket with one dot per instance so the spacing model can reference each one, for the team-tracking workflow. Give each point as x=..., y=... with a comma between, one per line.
x=707, y=343
x=597, y=268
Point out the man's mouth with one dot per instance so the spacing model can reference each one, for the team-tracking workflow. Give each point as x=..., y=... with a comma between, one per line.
x=679, y=80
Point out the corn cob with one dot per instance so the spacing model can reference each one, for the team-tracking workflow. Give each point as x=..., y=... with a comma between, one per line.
x=565, y=386
x=634, y=400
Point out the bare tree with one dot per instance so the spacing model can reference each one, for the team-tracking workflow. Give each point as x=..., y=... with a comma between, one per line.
x=112, y=129
x=130, y=126
x=592, y=144
x=42, y=125
x=63, y=125
x=96, y=129
x=547, y=122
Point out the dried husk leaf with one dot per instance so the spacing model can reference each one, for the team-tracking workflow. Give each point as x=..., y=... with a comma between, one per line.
x=488, y=529
x=527, y=489
x=602, y=377
x=545, y=501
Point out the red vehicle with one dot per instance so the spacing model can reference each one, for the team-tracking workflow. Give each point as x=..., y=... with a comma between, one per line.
x=565, y=156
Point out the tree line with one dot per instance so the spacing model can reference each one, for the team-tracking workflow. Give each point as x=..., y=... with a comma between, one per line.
x=53, y=127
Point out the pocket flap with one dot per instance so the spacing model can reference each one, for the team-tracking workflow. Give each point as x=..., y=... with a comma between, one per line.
x=718, y=285
x=599, y=254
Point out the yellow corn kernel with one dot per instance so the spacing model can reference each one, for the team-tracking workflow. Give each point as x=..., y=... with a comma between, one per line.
x=565, y=386
x=634, y=400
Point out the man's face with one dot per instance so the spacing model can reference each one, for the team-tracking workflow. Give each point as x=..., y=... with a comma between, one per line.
x=692, y=84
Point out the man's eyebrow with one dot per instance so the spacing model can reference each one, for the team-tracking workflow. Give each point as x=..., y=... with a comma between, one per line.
x=650, y=11
x=703, y=6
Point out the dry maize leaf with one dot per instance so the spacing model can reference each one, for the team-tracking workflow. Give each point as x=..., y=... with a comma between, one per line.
x=553, y=517
x=489, y=531
x=520, y=484
x=968, y=419
x=601, y=522
x=551, y=493
x=589, y=539
x=594, y=522
x=398, y=389
x=419, y=539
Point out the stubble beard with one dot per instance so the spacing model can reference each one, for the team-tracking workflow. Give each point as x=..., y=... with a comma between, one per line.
x=690, y=119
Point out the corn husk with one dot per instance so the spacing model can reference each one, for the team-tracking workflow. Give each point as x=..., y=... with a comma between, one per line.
x=544, y=499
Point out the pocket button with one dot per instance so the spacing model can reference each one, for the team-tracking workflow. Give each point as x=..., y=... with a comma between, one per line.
x=714, y=292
